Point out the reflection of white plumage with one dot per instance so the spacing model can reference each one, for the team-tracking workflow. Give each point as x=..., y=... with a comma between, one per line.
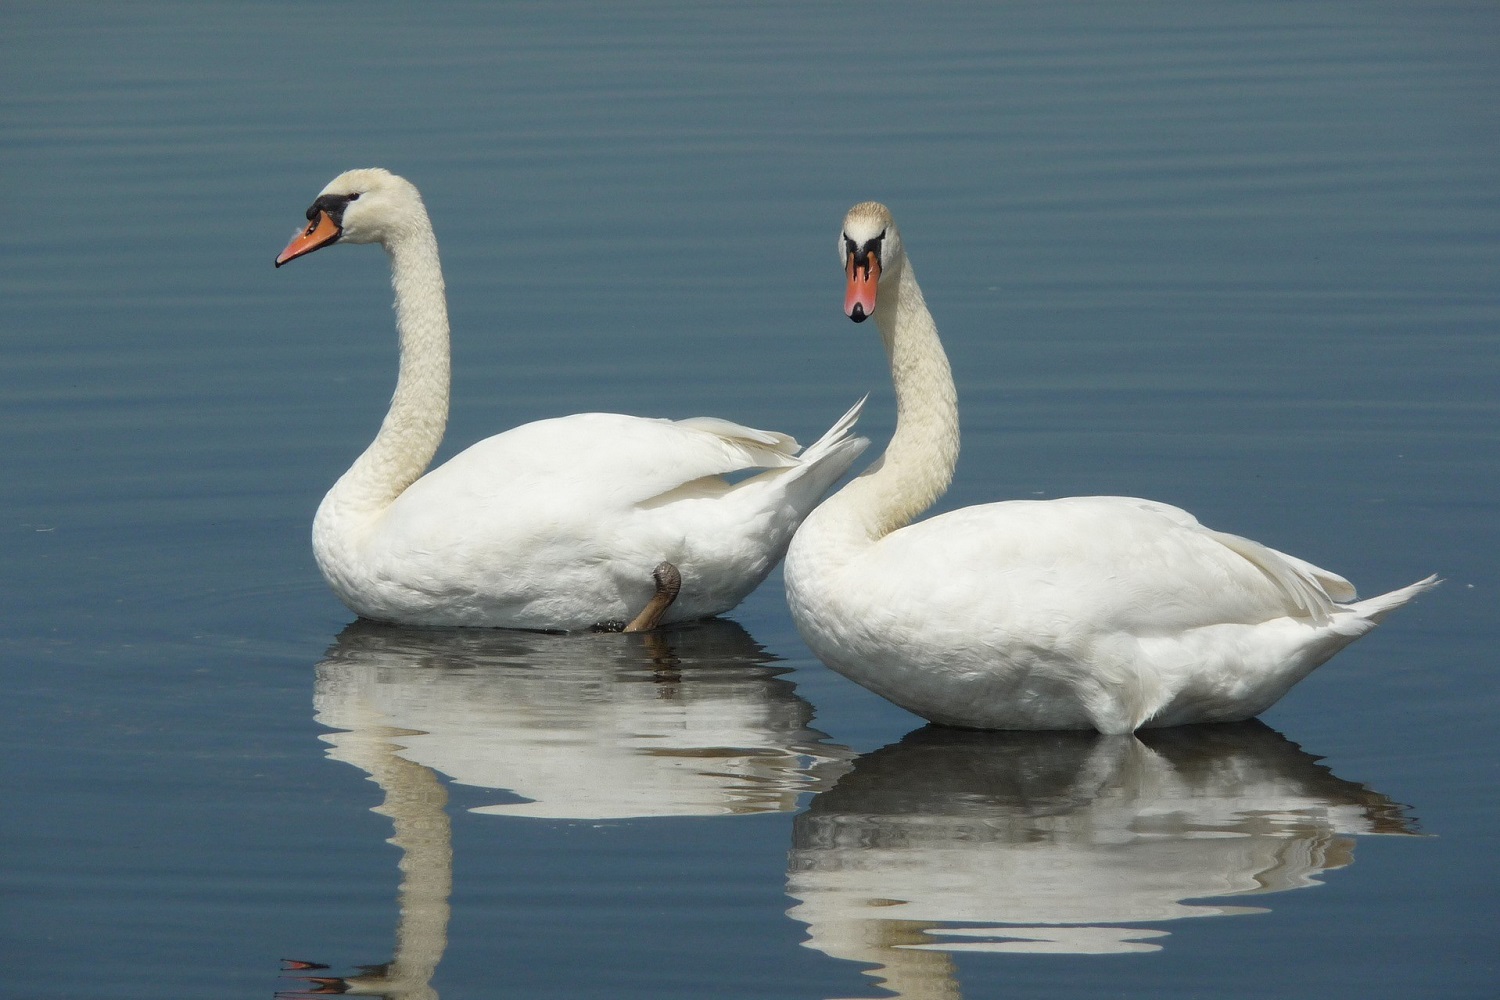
x=556, y=524
x=1107, y=613
x=693, y=721
x=1059, y=842
x=688, y=721
x=414, y=801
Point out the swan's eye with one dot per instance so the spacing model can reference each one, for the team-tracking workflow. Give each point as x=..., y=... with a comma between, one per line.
x=354, y=196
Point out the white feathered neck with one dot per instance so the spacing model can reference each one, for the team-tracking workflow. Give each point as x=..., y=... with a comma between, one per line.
x=413, y=428
x=918, y=463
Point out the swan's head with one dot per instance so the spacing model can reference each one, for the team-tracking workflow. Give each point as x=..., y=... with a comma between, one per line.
x=868, y=245
x=370, y=205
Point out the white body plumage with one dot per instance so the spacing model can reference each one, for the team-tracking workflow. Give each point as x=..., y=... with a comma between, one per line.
x=1110, y=613
x=556, y=524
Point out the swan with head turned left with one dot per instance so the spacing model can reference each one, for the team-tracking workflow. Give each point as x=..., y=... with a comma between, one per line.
x=1107, y=613
x=589, y=520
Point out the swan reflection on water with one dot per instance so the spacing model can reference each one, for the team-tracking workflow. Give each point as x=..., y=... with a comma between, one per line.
x=693, y=721
x=945, y=841
x=952, y=840
x=690, y=721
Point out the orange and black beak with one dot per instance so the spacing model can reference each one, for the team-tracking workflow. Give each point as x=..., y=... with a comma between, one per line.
x=863, y=271
x=321, y=230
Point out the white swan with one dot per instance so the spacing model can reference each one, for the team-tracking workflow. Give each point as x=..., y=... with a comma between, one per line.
x=1109, y=613
x=556, y=524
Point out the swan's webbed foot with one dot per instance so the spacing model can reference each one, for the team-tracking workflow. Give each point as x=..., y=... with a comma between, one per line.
x=668, y=584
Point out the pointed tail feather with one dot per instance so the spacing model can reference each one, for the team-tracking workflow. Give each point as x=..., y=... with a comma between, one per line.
x=1376, y=608
x=836, y=435
x=824, y=461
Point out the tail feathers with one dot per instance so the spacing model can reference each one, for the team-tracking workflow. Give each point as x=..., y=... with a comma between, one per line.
x=819, y=465
x=1375, y=609
x=1321, y=595
x=774, y=450
x=838, y=435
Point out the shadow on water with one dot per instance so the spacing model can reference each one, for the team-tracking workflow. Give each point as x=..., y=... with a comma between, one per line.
x=950, y=840
x=691, y=721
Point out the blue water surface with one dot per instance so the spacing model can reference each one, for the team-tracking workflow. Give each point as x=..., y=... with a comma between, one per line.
x=1243, y=258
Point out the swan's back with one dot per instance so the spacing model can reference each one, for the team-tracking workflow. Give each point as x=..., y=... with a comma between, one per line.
x=585, y=457
x=1112, y=563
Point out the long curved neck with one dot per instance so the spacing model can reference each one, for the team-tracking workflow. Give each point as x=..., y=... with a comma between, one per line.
x=413, y=427
x=918, y=464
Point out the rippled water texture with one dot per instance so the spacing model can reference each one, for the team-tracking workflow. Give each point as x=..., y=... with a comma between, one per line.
x=1243, y=258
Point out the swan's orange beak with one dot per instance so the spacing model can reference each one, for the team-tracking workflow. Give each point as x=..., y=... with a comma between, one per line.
x=320, y=232
x=859, y=295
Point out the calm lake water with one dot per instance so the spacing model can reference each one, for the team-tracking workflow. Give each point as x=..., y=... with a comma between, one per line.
x=1244, y=258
